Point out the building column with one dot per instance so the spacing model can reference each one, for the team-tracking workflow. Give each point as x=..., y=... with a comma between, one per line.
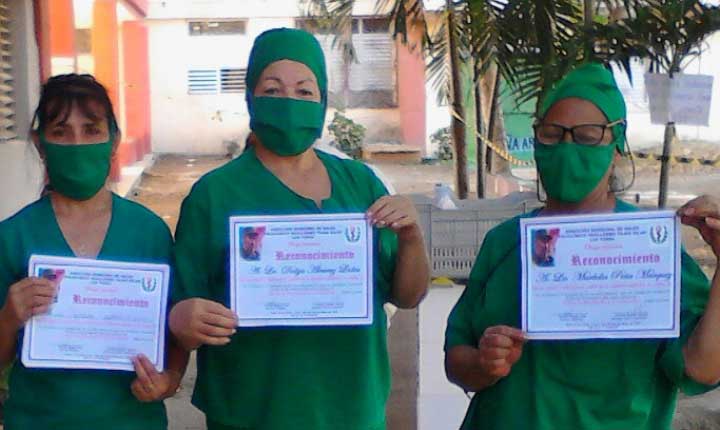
x=136, y=86
x=411, y=91
x=105, y=52
x=55, y=32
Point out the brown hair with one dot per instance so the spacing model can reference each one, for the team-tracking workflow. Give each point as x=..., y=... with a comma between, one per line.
x=60, y=93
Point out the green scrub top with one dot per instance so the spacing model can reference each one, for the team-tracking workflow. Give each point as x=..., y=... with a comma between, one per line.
x=570, y=385
x=283, y=378
x=78, y=399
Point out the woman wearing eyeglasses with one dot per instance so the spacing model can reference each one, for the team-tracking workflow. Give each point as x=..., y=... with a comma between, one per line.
x=598, y=384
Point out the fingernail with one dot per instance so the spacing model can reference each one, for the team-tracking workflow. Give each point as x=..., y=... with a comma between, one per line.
x=234, y=331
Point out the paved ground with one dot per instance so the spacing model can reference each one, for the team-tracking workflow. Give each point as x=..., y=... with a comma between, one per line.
x=440, y=405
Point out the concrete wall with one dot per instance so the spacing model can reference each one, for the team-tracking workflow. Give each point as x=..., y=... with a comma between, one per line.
x=185, y=123
x=19, y=166
x=198, y=124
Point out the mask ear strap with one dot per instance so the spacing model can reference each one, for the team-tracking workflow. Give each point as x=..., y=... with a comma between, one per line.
x=630, y=156
x=537, y=189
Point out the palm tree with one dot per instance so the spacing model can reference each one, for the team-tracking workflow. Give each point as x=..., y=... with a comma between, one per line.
x=533, y=43
x=671, y=32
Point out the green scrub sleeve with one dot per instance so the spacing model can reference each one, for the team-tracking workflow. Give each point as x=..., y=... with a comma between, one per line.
x=191, y=254
x=694, y=295
x=459, y=329
x=387, y=246
x=7, y=262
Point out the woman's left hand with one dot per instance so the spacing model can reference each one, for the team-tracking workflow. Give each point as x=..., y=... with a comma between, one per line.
x=151, y=385
x=703, y=213
x=397, y=213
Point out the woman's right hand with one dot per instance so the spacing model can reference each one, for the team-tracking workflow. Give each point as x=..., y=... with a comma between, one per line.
x=500, y=347
x=27, y=298
x=196, y=322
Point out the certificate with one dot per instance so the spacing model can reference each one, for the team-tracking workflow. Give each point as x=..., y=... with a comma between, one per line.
x=104, y=314
x=601, y=276
x=301, y=270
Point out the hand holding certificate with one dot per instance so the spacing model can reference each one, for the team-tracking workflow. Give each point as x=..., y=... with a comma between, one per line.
x=105, y=314
x=601, y=276
x=301, y=270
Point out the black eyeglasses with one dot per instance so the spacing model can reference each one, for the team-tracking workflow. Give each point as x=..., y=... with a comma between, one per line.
x=583, y=134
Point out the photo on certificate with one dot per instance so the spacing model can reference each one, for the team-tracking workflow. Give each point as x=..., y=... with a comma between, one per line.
x=544, y=243
x=601, y=276
x=301, y=270
x=104, y=314
x=252, y=238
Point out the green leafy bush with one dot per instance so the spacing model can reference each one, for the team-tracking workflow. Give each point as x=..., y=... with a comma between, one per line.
x=347, y=135
x=441, y=138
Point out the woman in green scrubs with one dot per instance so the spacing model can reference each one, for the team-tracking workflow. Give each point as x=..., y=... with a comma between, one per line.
x=314, y=378
x=575, y=385
x=77, y=216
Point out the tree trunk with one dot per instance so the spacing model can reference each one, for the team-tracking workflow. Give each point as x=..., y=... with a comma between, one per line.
x=588, y=23
x=545, y=33
x=665, y=166
x=496, y=131
x=481, y=147
x=456, y=107
x=670, y=135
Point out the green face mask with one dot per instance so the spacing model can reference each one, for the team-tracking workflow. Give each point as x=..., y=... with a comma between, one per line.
x=569, y=172
x=77, y=171
x=286, y=126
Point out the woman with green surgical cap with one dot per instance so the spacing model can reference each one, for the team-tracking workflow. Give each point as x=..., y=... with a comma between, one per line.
x=574, y=385
x=76, y=133
x=277, y=378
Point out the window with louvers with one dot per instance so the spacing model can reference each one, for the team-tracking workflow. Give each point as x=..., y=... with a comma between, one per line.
x=7, y=102
x=232, y=80
x=370, y=80
x=202, y=81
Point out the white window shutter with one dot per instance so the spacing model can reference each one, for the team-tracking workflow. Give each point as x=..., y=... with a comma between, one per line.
x=375, y=66
x=232, y=80
x=202, y=81
x=334, y=61
x=8, y=130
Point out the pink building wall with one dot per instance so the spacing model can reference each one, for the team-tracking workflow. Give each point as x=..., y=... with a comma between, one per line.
x=411, y=91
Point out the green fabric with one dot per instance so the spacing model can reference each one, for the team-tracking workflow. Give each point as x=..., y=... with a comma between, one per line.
x=287, y=126
x=596, y=84
x=569, y=172
x=77, y=171
x=212, y=425
x=578, y=385
x=322, y=378
x=78, y=399
x=285, y=44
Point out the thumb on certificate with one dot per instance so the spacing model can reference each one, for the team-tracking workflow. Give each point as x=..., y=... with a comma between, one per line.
x=713, y=223
x=144, y=370
x=513, y=333
x=701, y=207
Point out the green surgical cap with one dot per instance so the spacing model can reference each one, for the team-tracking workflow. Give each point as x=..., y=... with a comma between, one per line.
x=594, y=83
x=285, y=44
